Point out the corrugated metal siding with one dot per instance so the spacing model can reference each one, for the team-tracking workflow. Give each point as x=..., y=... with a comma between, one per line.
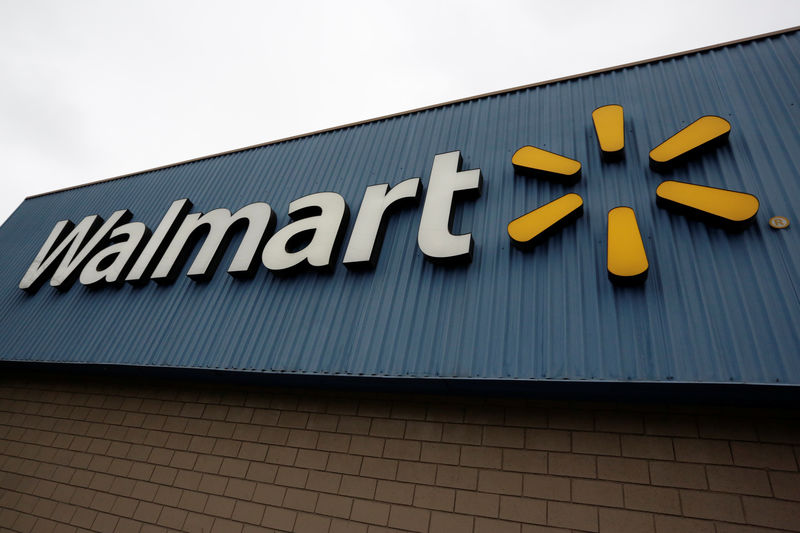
x=717, y=306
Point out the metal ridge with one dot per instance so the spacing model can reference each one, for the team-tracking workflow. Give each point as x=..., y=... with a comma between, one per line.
x=433, y=106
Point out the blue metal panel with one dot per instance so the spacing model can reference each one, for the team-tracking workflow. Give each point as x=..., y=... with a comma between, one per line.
x=717, y=307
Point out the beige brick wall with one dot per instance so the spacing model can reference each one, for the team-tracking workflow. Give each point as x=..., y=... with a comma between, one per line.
x=122, y=455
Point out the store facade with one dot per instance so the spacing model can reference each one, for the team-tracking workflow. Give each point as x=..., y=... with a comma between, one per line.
x=568, y=306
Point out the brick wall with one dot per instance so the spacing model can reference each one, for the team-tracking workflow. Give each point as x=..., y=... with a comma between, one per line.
x=118, y=455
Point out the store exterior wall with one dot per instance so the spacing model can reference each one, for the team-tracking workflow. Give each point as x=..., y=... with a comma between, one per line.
x=82, y=454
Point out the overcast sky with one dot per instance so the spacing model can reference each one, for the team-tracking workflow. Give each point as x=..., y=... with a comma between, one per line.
x=95, y=89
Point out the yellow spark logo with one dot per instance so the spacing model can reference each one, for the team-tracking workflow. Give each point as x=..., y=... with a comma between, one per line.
x=626, y=256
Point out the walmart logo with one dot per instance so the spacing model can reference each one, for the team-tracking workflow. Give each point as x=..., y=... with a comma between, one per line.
x=626, y=255
x=116, y=250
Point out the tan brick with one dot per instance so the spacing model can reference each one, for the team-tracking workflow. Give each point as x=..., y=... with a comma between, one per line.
x=434, y=498
x=534, y=462
x=106, y=522
x=269, y=494
x=322, y=422
x=119, y=485
x=703, y=451
x=195, y=523
x=374, y=408
x=379, y=468
x=435, y=452
x=458, y=477
x=313, y=459
x=280, y=519
x=481, y=456
x=647, y=447
x=476, y=503
x=358, y=487
x=291, y=477
x=548, y=439
x=142, y=490
x=253, y=451
x=300, y=500
x=656, y=499
x=240, y=489
x=212, y=484
x=261, y=472
x=546, y=487
x=356, y=425
x=759, y=455
x=273, y=435
x=619, y=422
x=449, y=522
x=172, y=518
x=523, y=510
x=384, y=427
x=333, y=442
x=281, y=455
x=200, y=444
x=220, y=429
x=491, y=525
x=402, y=449
x=370, y=512
x=682, y=475
x=462, y=433
x=408, y=411
x=431, y=431
x=394, y=492
x=619, y=521
x=292, y=419
x=168, y=496
x=193, y=501
x=786, y=485
x=572, y=516
x=505, y=437
x=674, y=524
x=500, y=482
x=622, y=469
x=346, y=526
x=723, y=527
x=332, y=505
x=301, y=438
x=772, y=513
x=145, y=512
x=567, y=464
x=595, y=443
x=323, y=481
x=163, y=475
x=738, y=480
x=700, y=504
x=234, y=467
x=344, y=464
x=265, y=417
x=409, y=518
x=371, y=446
x=606, y=493
x=219, y=506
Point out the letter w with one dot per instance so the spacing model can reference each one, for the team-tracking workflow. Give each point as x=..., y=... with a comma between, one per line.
x=75, y=248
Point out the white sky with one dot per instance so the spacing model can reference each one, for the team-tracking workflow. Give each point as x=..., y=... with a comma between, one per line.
x=95, y=89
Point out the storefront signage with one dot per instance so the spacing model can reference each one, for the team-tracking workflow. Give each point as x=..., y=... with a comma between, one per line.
x=97, y=252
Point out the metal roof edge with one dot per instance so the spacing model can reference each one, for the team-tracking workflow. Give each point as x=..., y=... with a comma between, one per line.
x=683, y=392
x=433, y=106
